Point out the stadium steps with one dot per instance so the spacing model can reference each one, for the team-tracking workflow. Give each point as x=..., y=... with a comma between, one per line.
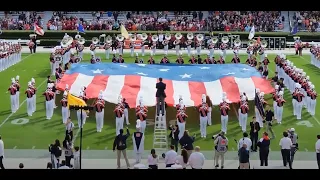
x=286, y=23
x=160, y=136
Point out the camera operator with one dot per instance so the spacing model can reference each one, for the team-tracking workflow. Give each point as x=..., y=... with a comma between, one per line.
x=268, y=120
x=221, y=147
x=56, y=152
x=294, y=139
x=186, y=142
x=254, y=133
x=67, y=147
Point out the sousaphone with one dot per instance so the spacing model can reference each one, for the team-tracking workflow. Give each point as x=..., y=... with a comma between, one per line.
x=237, y=42
x=108, y=39
x=190, y=36
x=144, y=36
x=95, y=40
x=154, y=38
x=81, y=40
x=264, y=43
x=214, y=40
x=78, y=36
x=178, y=36
x=251, y=43
x=200, y=37
x=120, y=37
x=133, y=37
x=225, y=39
x=167, y=36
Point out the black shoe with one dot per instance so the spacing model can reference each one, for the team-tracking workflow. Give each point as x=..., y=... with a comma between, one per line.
x=222, y=167
x=162, y=114
x=217, y=166
x=157, y=114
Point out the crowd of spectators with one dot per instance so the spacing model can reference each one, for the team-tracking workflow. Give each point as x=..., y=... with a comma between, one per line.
x=307, y=20
x=145, y=20
x=15, y=20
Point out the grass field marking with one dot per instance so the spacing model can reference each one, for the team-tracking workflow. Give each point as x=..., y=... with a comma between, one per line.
x=75, y=136
x=306, y=149
x=88, y=148
x=33, y=147
x=233, y=149
x=3, y=122
x=105, y=148
x=15, y=147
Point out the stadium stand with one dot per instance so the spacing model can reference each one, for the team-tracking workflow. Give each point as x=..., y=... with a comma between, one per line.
x=307, y=20
x=15, y=20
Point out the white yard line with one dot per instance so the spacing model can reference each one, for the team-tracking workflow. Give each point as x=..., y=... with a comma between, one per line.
x=3, y=122
x=75, y=136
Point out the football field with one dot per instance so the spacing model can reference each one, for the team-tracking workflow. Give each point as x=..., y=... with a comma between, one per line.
x=23, y=132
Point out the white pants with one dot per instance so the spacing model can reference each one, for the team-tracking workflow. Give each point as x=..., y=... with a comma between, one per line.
x=313, y=103
x=298, y=107
x=224, y=123
x=92, y=53
x=165, y=48
x=211, y=54
x=262, y=56
x=29, y=106
x=13, y=103
x=142, y=50
x=132, y=52
x=182, y=128
x=203, y=125
x=239, y=118
x=294, y=107
x=49, y=109
x=99, y=120
x=7, y=62
x=53, y=68
x=209, y=118
x=107, y=53
x=18, y=99
x=65, y=114
x=224, y=53
x=275, y=109
x=177, y=50
x=279, y=112
x=258, y=117
x=198, y=49
x=143, y=126
x=138, y=157
x=84, y=117
x=34, y=102
x=153, y=51
x=119, y=124
x=243, y=121
x=80, y=54
x=126, y=116
x=189, y=50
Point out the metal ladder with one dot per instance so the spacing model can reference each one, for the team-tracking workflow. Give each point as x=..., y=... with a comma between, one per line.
x=160, y=136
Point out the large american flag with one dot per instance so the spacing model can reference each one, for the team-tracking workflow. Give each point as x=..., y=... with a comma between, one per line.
x=133, y=81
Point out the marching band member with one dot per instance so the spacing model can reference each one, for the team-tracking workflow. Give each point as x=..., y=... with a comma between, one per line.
x=298, y=104
x=279, y=109
x=17, y=85
x=209, y=112
x=143, y=47
x=164, y=60
x=126, y=110
x=92, y=49
x=13, y=92
x=222, y=59
x=265, y=72
x=99, y=107
x=165, y=43
x=114, y=58
x=249, y=51
x=208, y=59
x=151, y=60
x=313, y=100
x=106, y=47
x=193, y=59
x=29, y=94
x=31, y=45
x=203, y=113
x=52, y=63
x=262, y=53
x=265, y=61
x=181, y=117
x=84, y=113
x=154, y=47
x=298, y=46
x=176, y=43
x=198, y=47
x=120, y=60
x=235, y=59
x=243, y=115
x=188, y=44
x=180, y=60
x=275, y=98
x=223, y=48
x=224, y=110
x=141, y=113
x=34, y=96
x=120, y=47
x=211, y=48
x=80, y=48
x=138, y=142
x=64, y=108
x=48, y=94
x=258, y=115
x=119, y=115
x=131, y=46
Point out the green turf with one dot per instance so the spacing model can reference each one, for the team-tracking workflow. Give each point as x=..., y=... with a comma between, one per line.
x=39, y=132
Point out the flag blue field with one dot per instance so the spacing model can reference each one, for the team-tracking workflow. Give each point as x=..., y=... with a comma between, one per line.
x=189, y=81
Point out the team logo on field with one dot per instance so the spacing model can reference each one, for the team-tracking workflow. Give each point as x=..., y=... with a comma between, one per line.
x=20, y=121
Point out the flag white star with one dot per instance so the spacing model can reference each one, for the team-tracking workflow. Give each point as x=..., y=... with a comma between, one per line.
x=181, y=66
x=83, y=65
x=204, y=67
x=98, y=71
x=141, y=73
x=123, y=65
x=245, y=69
x=230, y=73
x=164, y=70
x=186, y=76
x=143, y=65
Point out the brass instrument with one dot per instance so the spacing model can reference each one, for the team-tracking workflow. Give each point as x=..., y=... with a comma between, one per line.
x=78, y=36
x=225, y=39
x=200, y=37
x=95, y=40
x=251, y=43
x=264, y=43
x=154, y=38
x=120, y=37
x=214, y=40
x=237, y=42
x=296, y=38
x=32, y=35
x=144, y=36
x=81, y=40
x=190, y=36
x=133, y=38
x=69, y=40
x=178, y=36
x=167, y=36
x=108, y=39
x=64, y=42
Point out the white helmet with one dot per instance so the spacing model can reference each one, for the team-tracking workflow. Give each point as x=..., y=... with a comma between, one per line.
x=221, y=54
x=204, y=98
x=258, y=90
x=100, y=94
x=280, y=93
x=65, y=93
x=276, y=87
x=33, y=80
x=297, y=85
x=312, y=86
x=17, y=78
x=224, y=94
x=262, y=94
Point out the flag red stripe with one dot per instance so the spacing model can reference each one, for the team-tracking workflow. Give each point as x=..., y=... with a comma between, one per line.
x=98, y=83
x=262, y=84
x=169, y=92
x=67, y=79
x=230, y=86
x=131, y=89
x=196, y=91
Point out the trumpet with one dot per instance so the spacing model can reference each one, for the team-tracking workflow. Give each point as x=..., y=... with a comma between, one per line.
x=214, y=40
x=200, y=37
x=78, y=36
x=167, y=36
x=178, y=36
x=237, y=42
x=133, y=38
x=108, y=39
x=81, y=40
x=144, y=36
x=95, y=40
x=225, y=39
x=251, y=43
x=120, y=37
x=190, y=36
x=264, y=43
x=154, y=38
